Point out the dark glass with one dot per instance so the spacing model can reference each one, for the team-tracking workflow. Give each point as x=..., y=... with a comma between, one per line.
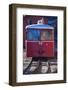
x=45, y=35
x=36, y=35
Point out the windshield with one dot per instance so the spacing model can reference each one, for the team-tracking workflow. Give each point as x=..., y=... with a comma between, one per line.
x=36, y=35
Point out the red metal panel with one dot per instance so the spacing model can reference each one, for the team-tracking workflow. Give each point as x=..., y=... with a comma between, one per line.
x=32, y=49
x=48, y=49
x=35, y=49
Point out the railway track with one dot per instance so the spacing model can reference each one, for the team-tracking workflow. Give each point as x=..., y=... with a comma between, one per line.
x=40, y=66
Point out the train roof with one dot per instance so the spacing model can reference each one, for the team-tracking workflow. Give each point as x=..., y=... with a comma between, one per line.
x=39, y=26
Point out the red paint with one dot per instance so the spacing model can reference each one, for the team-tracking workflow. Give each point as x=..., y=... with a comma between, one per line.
x=35, y=49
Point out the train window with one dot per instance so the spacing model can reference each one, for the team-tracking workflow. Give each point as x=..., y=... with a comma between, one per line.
x=33, y=35
x=36, y=35
x=46, y=35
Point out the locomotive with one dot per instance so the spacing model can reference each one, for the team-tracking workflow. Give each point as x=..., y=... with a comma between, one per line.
x=40, y=46
x=39, y=40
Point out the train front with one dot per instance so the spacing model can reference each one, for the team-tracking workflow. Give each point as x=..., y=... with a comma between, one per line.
x=39, y=40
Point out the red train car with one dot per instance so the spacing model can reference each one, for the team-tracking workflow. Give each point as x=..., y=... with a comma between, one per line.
x=40, y=40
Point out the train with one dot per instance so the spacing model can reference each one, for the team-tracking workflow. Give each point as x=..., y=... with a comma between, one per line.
x=40, y=40
x=40, y=46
